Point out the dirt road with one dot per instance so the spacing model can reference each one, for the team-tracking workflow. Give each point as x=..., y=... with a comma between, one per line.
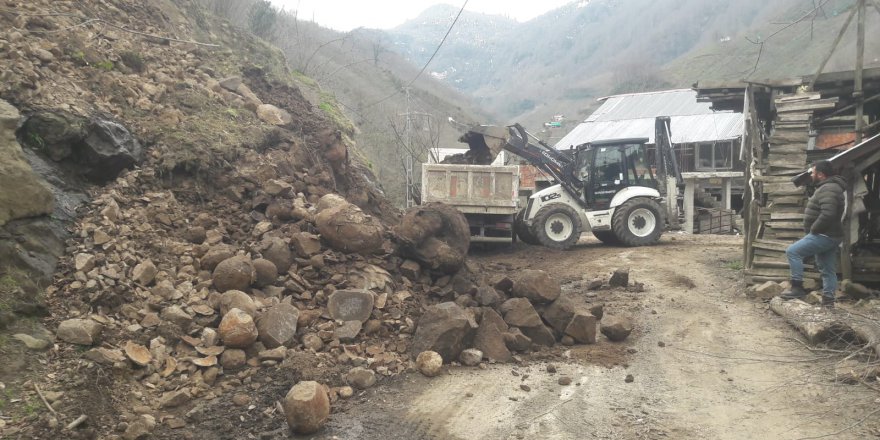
x=706, y=362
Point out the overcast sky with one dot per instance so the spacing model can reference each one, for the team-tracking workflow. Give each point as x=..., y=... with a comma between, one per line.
x=344, y=15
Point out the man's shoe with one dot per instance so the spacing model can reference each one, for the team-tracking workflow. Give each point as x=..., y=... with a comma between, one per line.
x=827, y=303
x=796, y=291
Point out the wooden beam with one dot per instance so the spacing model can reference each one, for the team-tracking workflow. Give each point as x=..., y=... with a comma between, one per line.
x=860, y=63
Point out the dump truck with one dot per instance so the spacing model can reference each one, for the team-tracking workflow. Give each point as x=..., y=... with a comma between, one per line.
x=487, y=195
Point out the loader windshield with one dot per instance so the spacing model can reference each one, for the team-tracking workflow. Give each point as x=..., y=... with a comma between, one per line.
x=639, y=171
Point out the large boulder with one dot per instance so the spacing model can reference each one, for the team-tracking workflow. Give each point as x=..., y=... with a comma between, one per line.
x=490, y=336
x=348, y=229
x=559, y=313
x=236, y=273
x=582, y=328
x=536, y=285
x=277, y=326
x=22, y=192
x=237, y=329
x=436, y=235
x=278, y=252
x=54, y=133
x=350, y=305
x=108, y=149
x=445, y=328
x=305, y=245
x=616, y=328
x=266, y=272
x=273, y=115
x=519, y=312
x=306, y=407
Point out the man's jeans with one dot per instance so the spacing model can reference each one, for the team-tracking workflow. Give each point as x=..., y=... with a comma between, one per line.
x=825, y=250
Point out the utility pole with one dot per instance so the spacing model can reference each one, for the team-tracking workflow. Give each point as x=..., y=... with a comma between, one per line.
x=410, y=149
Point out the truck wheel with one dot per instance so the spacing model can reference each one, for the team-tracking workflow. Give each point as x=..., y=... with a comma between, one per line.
x=638, y=222
x=607, y=237
x=522, y=230
x=557, y=226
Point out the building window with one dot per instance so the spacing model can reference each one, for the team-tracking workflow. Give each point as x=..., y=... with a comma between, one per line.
x=714, y=156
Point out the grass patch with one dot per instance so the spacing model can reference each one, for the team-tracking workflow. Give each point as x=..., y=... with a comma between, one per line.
x=330, y=107
x=106, y=65
x=133, y=60
x=733, y=265
x=301, y=77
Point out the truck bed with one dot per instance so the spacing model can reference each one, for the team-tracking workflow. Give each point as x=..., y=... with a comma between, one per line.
x=475, y=189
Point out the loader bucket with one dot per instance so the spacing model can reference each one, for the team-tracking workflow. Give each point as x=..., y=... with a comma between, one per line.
x=485, y=143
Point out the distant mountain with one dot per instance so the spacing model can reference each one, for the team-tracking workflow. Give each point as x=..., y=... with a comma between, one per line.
x=560, y=62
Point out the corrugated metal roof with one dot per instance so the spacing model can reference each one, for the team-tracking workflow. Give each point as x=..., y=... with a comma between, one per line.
x=633, y=115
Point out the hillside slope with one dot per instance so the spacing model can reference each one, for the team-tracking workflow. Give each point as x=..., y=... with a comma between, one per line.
x=560, y=62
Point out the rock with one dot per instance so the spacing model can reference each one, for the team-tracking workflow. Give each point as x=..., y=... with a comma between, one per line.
x=348, y=229
x=559, y=313
x=25, y=193
x=177, y=316
x=100, y=237
x=516, y=341
x=564, y=381
x=487, y=296
x=236, y=273
x=305, y=245
x=277, y=188
x=277, y=325
x=138, y=354
x=566, y=340
x=231, y=83
x=241, y=399
x=107, y=149
x=266, y=272
x=490, y=337
x=361, y=378
x=276, y=250
x=270, y=114
x=582, y=328
x=445, y=328
x=32, y=342
x=595, y=284
x=236, y=299
x=540, y=334
x=620, y=278
x=429, y=363
x=215, y=255
x=144, y=273
x=233, y=359
x=174, y=399
x=350, y=305
x=275, y=354
x=616, y=328
x=598, y=311
x=84, y=262
x=140, y=428
x=410, y=269
x=312, y=341
x=519, y=312
x=237, y=329
x=629, y=378
x=345, y=392
x=471, y=357
x=767, y=290
x=856, y=290
x=79, y=331
x=536, y=285
x=435, y=235
x=306, y=407
x=348, y=331
x=195, y=234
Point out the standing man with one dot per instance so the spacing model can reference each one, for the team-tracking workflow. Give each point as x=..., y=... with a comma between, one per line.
x=823, y=223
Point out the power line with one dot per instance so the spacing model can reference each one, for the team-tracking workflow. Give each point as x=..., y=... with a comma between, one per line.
x=761, y=43
x=448, y=31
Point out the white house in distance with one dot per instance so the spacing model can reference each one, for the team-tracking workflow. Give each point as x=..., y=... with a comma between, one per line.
x=707, y=143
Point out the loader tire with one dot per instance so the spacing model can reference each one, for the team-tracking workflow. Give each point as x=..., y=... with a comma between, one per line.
x=522, y=230
x=557, y=226
x=638, y=222
x=607, y=237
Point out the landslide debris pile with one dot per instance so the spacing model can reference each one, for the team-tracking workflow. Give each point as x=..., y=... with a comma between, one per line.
x=231, y=247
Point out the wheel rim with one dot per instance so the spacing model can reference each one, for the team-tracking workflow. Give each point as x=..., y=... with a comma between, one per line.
x=558, y=227
x=642, y=222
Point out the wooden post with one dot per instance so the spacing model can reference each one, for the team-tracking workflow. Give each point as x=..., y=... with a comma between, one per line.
x=726, y=183
x=846, y=248
x=860, y=61
x=689, y=187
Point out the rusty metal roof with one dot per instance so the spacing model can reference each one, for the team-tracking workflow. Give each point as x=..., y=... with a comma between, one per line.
x=632, y=115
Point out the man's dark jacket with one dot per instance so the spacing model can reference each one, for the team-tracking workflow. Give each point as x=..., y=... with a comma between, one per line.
x=825, y=209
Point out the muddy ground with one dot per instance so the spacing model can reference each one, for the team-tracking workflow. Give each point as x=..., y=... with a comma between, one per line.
x=706, y=362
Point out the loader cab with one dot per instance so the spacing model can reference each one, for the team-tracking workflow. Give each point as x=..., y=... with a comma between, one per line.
x=606, y=167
